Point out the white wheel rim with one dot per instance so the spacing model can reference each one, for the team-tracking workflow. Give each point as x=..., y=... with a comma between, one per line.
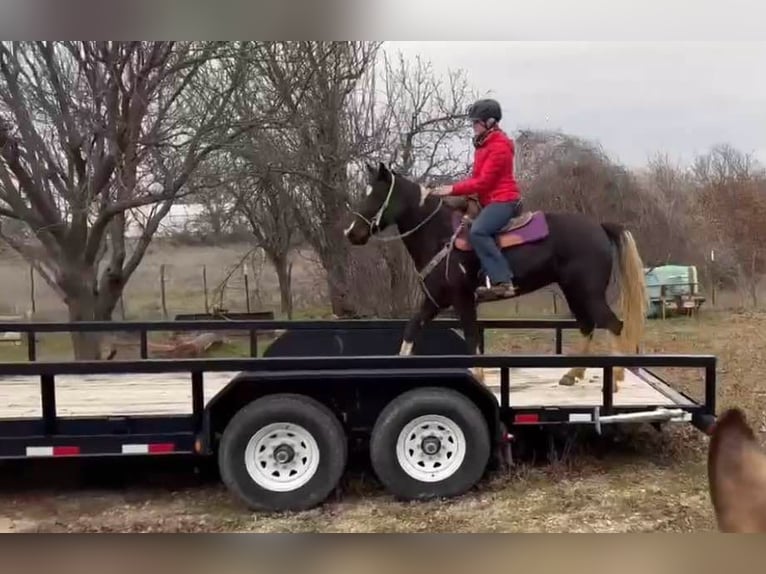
x=282, y=457
x=426, y=431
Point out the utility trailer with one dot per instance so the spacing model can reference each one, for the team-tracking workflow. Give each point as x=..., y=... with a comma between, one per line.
x=281, y=425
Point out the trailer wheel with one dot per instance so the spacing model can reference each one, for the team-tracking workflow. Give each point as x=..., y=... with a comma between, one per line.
x=430, y=443
x=283, y=452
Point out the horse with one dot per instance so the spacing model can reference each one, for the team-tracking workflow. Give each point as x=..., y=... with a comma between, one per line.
x=542, y=248
x=736, y=468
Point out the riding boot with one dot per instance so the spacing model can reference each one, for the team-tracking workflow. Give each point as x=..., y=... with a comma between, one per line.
x=503, y=290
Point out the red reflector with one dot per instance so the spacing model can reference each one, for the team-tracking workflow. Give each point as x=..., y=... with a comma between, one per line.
x=161, y=447
x=527, y=418
x=66, y=450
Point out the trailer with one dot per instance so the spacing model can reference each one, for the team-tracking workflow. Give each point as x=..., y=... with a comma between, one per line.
x=281, y=425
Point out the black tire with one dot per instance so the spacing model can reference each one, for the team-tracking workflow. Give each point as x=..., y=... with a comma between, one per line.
x=429, y=401
x=310, y=414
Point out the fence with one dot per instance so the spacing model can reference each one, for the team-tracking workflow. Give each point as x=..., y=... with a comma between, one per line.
x=164, y=290
x=194, y=290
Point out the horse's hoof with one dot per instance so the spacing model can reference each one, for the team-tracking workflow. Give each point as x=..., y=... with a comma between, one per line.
x=567, y=380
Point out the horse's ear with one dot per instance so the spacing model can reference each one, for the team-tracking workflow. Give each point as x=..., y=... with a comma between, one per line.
x=737, y=475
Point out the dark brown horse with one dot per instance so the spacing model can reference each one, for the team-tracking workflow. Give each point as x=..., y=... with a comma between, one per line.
x=569, y=249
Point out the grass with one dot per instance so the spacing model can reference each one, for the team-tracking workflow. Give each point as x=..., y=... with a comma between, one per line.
x=48, y=346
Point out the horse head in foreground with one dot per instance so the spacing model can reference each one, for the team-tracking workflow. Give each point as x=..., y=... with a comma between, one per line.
x=737, y=475
x=569, y=249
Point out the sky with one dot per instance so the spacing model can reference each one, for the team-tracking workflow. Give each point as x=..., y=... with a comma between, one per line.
x=635, y=97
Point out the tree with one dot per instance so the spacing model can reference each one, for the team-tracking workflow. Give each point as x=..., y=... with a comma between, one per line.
x=677, y=220
x=733, y=196
x=313, y=82
x=92, y=130
x=426, y=130
x=565, y=173
x=262, y=197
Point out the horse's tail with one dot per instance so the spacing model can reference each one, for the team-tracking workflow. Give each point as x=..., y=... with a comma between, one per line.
x=632, y=284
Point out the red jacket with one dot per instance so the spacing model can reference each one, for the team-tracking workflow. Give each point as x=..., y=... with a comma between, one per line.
x=492, y=179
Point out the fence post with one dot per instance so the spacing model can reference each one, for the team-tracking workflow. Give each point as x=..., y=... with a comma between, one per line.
x=247, y=288
x=711, y=267
x=162, y=292
x=204, y=287
x=32, y=289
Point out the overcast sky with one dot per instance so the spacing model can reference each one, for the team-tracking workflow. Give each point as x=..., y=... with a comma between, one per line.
x=636, y=98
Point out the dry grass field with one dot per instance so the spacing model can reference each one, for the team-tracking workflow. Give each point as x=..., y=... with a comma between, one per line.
x=632, y=480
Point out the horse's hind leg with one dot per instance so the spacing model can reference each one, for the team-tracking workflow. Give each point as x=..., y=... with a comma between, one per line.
x=575, y=373
x=606, y=319
x=581, y=313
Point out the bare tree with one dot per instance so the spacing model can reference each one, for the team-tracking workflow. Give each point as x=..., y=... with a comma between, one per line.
x=262, y=197
x=562, y=172
x=733, y=196
x=92, y=130
x=313, y=82
x=677, y=222
x=426, y=132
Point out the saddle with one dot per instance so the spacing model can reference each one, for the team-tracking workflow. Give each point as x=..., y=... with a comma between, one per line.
x=527, y=227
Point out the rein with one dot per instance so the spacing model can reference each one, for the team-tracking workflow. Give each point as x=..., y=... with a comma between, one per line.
x=375, y=221
x=445, y=251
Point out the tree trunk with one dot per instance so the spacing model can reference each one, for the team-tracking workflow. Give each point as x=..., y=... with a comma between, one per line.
x=85, y=302
x=400, y=282
x=284, y=270
x=286, y=291
x=336, y=261
x=341, y=296
x=86, y=346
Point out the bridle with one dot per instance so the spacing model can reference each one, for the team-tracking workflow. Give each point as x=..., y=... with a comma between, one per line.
x=374, y=223
x=435, y=260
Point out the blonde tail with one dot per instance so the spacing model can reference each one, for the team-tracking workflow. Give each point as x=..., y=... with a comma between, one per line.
x=632, y=288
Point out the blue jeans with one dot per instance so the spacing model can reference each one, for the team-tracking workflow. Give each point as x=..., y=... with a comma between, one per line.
x=492, y=219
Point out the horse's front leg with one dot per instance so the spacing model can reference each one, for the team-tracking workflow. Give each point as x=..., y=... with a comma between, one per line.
x=466, y=309
x=424, y=314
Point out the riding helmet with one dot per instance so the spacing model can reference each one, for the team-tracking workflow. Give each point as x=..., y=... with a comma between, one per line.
x=483, y=110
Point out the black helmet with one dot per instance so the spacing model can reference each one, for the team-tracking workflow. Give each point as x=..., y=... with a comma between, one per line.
x=483, y=110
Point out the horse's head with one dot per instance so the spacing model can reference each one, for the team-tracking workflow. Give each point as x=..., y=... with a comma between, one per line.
x=737, y=475
x=383, y=203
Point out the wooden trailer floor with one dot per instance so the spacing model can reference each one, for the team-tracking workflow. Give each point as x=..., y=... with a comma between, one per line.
x=540, y=387
x=170, y=393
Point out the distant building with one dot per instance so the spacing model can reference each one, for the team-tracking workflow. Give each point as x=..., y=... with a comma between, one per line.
x=180, y=217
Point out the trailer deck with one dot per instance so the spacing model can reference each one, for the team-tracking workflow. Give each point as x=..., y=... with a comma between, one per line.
x=170, y=393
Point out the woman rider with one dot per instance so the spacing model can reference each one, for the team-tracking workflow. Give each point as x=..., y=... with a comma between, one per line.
x=492, y=182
